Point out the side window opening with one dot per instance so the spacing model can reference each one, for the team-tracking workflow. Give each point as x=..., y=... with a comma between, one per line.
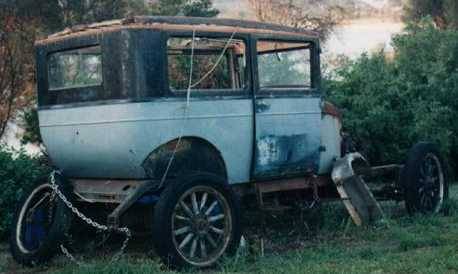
x=284, y=64
x=75, y=68
x=228, y=75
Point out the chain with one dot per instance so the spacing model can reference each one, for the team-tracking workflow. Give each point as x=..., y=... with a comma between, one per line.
x=69, y=256
x=51, y=207
x=128, y=234
x=316, y=197
x=123, y=230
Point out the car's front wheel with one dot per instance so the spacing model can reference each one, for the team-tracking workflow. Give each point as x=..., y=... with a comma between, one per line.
x=424, y=178
x=196, y=221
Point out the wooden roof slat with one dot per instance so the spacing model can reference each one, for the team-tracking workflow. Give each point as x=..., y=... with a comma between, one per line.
x=179, y=23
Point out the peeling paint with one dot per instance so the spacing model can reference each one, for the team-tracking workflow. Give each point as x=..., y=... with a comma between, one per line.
x=285, y=154
x=287, y=136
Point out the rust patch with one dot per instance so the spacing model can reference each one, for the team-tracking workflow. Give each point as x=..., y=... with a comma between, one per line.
x=329, y=109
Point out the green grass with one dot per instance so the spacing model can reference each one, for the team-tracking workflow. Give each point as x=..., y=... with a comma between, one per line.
x=400, y=245
x=406, y=246
x=3, y=261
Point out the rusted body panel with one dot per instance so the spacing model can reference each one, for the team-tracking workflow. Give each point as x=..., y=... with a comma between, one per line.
x=356, y=195
x=114, y=140
x=109, y=191
x=331, y=139
x=126, y=128
x=287, y=136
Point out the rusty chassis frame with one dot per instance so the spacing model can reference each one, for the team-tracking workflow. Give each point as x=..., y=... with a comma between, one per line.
x=126, y=193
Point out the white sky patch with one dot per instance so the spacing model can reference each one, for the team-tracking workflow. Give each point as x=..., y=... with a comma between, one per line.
x=362, y=36
x=12, y=139
x=375, y=3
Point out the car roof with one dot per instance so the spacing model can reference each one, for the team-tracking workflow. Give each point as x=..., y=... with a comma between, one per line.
x=177, y=23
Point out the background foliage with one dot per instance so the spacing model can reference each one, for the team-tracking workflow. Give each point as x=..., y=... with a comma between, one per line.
x=16, y=70
x=443, y=12
x=390, y=103
x=198, y=8
x=307, y=15
x=18, y=173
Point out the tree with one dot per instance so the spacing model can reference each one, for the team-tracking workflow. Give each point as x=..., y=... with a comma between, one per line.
x=198, y=8
x=443, y=12
x=288, y=13
x=29, y=118
x=15, y=65
x=55, y=15
x=390, y=104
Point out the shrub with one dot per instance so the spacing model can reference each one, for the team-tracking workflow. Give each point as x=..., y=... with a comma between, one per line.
x=17, y=173
x=391, y=103
x=31, y=127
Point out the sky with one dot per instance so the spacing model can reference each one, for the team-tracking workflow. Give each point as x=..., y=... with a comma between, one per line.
x=352, y=38
x=375, y=3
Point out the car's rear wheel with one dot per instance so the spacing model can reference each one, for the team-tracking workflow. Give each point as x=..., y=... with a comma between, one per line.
x=424, y=178
x=40, y=224
x=196, y=222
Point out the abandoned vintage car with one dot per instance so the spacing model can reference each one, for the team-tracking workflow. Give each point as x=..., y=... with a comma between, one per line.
x=185, y=115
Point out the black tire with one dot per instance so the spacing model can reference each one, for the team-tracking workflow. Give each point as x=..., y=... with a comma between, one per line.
x=424, y=180
x=40, y=247
x=166, y=213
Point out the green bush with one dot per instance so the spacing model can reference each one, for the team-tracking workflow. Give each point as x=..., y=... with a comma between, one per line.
x=31, y=127
x=390, y=103
x=17, y=173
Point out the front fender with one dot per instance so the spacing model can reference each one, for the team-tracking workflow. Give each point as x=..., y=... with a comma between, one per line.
x=343, y=167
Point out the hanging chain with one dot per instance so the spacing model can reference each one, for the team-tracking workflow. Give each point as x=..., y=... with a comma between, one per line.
x=123, y=230
x=70, y=256
x=316, y=197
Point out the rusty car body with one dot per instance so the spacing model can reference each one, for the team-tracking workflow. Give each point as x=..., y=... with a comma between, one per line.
x=176, y=111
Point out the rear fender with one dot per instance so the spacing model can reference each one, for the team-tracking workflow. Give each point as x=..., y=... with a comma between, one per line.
x=190, y=154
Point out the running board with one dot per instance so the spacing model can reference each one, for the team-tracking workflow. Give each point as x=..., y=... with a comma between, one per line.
x=356, y=195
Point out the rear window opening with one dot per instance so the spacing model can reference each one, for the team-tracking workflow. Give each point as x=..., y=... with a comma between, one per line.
x=75, y=68
x=229, y=74
x=284, y=64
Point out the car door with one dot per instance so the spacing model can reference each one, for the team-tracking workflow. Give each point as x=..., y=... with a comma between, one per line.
x=287, y=107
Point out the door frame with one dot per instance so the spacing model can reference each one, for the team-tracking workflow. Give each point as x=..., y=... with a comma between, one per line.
x=313, y=92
